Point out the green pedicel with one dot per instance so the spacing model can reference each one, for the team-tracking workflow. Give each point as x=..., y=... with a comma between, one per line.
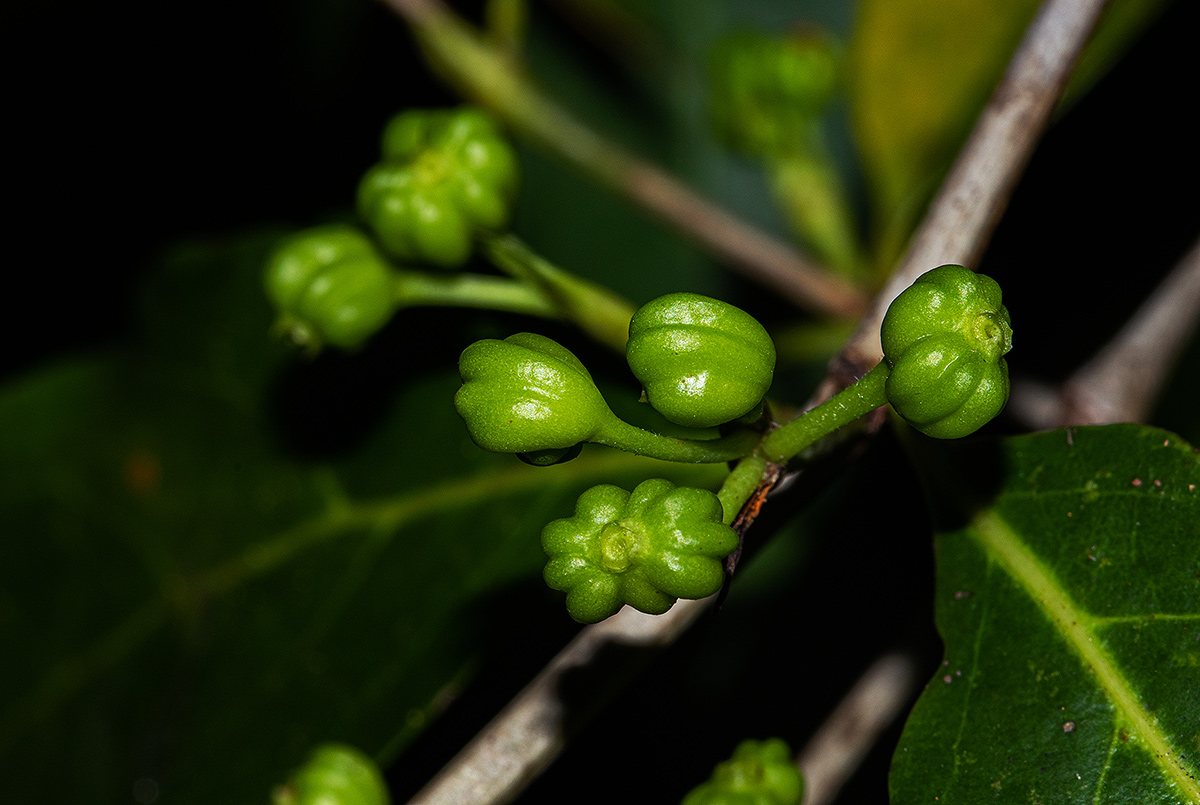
x=528, y=394
x=646, y=549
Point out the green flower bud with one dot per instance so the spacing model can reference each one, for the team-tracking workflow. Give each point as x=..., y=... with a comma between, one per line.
x=767, y=91
x=702, y=362
x=334, y=775
x=944, y=338
x=759, y=773
x=527, y=394
x=445, y=174
x=329, y=285
x=646, y=549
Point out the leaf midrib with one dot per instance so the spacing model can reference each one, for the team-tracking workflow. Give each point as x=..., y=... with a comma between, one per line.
x=1077, y=628
x=65, y=679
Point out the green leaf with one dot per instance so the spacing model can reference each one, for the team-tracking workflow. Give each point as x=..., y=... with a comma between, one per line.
x=920, y=73
x=191, y=602
x=1068, y=597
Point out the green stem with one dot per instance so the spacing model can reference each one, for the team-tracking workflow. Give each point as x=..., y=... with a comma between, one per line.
x=740, y=484
x=507, y=21
x=472, y=290
x=623, y=436
x=596, y=310
x=843, y=408
x=489, y=76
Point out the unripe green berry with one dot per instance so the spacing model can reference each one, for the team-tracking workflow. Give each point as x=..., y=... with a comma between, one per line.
x=767, y=91
x=330, y=286
x=945, y=338
x=759, y=773
x=527, y=394
x=445, y=174
x=334, y=774
x=702, y=362
x=646, y=549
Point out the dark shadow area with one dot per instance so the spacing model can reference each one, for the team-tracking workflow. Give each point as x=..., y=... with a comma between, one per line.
x=1107, y=205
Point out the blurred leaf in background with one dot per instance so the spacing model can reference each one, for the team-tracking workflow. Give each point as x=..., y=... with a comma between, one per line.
x=215, y=554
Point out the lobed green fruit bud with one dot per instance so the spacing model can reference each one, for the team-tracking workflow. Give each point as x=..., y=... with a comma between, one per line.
x=759, y=773
x=334, y=774
x=768, y=91
x=330, y=285
x=702, y=362
x=528, y=394
x=646, y=549
x=944, y=338
x=445, y=174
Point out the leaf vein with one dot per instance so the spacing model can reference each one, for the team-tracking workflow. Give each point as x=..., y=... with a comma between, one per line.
x=1076, y=626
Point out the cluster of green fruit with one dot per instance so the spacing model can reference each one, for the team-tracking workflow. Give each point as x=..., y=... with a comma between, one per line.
x=445, y=176
x=705, y=363
x=448, y=181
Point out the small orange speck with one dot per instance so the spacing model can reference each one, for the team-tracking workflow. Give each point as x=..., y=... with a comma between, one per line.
x=1158, y=483
x=1069, y=514
x=1137, y=481
x=142, y=472
x=1166, y=442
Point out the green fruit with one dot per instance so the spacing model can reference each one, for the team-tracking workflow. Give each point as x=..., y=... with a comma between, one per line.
x=768, y=91
x=334, y=774
x=702, y=362
x=646, y=549
x=445, y=175
x=759, y=773
x=945, y=338
x=527, y=394
x=330, y=286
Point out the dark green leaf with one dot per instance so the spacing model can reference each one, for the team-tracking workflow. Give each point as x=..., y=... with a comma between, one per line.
x=192, y=603
x=1068, y=596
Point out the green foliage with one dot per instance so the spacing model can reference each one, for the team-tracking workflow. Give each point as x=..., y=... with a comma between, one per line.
x=1067, y=595
x=207, y=576
x=220, y=554
x=644, y=548
x=702, y=362
x=759, y=773
x=945, y=338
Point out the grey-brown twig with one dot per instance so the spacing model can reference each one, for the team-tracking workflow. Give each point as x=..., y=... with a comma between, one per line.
x=1123, y=380
x=960, y=221
x=837, y=749
x=526, y=736
x=488, y=76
